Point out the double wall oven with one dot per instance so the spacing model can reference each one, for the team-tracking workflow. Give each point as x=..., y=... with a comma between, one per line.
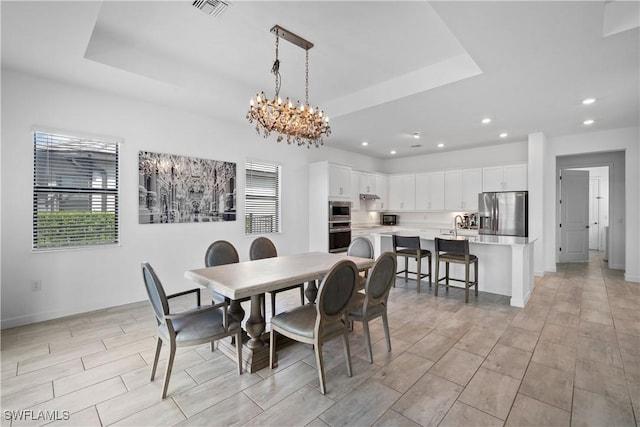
x=339, y=226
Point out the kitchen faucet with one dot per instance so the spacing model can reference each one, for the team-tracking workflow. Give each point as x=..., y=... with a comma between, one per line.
x=455, y=225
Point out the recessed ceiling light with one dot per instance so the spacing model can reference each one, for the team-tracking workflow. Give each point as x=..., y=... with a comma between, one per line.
x=392, y=152
x=365, y=143
x=416, y=135
x=588, y=101
x=486, y=120
x=588, y=122
x=440, y=145
x=504, y=135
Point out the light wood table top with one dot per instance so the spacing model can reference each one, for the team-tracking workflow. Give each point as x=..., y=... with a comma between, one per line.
x=249, y=278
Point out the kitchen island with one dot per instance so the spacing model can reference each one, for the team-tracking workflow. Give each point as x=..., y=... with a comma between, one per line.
x=505, y=263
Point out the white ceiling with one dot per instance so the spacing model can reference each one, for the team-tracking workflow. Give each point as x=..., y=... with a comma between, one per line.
x=381, y=70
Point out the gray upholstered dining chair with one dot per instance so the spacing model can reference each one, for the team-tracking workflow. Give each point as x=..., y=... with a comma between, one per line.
x=222, y=252
x=373, y=303
x=262, y=248
x=319, y=323
x=362, y=248
x=192, y=327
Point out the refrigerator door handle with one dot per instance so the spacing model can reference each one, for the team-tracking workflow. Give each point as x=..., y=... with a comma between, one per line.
x=497, y=216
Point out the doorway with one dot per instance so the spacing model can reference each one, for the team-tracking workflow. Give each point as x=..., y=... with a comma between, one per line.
x=605, y=190
x=598, y=206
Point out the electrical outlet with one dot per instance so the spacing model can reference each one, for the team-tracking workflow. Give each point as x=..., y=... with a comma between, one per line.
x=36, y=285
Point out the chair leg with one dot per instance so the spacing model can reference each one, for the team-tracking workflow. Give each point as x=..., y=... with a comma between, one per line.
x=475, y=275
x=347, y=351
x=301, y=294
x=167, y=374
x=156, y=358
x=446, y=267
x=272, y=347
x=385, y=324
x=466, y=283
x=318, y=350
x=367, y=338
x=239, y=351
x=430, y=276
x=418, y=273
x=437, y=276
x=406, y=269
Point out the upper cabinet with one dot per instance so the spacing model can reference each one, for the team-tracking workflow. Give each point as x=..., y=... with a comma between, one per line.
x=462, y=188
x=471, y=187
x=430, y=191
x=505, y=178
x=382, y=191
x=355, y=190
x=339, y=182
x=402, y=192
x=367, y=183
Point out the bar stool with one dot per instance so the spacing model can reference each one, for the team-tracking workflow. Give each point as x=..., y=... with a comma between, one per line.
x=409, y=247
x=457, y=252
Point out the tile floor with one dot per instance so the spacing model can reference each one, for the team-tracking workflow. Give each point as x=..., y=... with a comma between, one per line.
x=571, y=357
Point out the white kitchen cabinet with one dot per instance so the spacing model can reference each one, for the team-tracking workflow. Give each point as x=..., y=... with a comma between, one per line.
x=382, y=191
x=355, y=190
x=339, y=182
x=402, y=192
x=505, y=178
x=471, y=187
x=462, y=188
x=453, y=190
x=515, y=177
x=367, y=183
x=430, y=191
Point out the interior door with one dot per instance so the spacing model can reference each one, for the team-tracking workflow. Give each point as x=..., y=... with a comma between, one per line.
x=574, y=216
x=594, y=214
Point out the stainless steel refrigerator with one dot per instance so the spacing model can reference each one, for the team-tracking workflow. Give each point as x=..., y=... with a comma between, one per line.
x=504, y=213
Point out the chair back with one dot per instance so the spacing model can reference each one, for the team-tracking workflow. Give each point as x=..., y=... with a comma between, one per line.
x=452, y=246
x=406, y=242
x=155, y=291
x=262, y=248
x=336, y=290
x=381, y=279
x=360, y=247
x=220, y=252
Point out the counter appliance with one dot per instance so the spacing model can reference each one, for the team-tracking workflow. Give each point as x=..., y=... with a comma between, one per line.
x=504, y=213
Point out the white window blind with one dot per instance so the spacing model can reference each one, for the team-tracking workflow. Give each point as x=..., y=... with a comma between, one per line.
x=262, y=198
x=75, y=192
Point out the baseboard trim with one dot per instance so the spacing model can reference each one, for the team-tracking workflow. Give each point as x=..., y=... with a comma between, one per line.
x=630, y=278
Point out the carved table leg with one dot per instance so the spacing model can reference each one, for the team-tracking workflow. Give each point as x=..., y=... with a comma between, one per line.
x=235, y=310
x=255, y=324
x=311, y=292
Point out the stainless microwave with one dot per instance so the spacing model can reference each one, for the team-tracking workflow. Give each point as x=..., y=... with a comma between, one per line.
x=339, y=211
x=388, y=219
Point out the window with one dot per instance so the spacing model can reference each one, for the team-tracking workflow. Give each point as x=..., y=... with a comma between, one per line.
x=262, y=198
x=75, y=192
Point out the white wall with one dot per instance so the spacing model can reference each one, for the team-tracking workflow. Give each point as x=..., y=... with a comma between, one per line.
x=75, y=281
x=625, y=251
x=495, y=155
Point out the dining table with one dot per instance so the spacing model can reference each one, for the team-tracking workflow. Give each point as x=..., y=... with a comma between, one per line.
x=254, y=278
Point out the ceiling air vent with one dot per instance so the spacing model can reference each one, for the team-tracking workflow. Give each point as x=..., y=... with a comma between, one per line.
x=212, y=7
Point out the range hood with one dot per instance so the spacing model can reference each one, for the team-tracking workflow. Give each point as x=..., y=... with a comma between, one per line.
x=369, y=197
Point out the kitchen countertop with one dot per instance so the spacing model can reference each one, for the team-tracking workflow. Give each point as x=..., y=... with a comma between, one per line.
x=473, y=238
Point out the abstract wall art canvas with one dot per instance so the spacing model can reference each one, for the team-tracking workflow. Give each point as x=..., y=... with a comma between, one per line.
x=179, y=189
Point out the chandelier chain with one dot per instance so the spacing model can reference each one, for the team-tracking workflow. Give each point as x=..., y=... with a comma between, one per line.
x=275, y=69
x=306, y=81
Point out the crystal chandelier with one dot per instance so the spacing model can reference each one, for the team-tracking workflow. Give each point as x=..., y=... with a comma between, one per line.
x=300, y=124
